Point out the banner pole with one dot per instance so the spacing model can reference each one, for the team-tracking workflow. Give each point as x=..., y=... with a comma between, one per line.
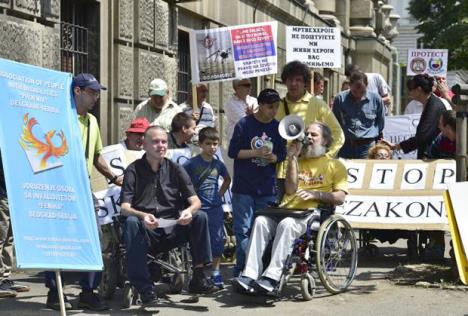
x=58, y=278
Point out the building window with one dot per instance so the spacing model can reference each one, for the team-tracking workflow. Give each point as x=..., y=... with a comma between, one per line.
x=73, y=38
x=184, y=73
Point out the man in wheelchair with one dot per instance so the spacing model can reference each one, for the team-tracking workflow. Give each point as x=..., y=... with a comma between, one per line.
x=312, y=178
x=154, y=190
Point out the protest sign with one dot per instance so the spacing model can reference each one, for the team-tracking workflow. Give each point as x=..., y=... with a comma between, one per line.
x=227, y=53
x=397, y=194
x=51, y=208
x=399, y=128
x=427, y=61
x=118, y=158
x=318, y=47
x=454, y=198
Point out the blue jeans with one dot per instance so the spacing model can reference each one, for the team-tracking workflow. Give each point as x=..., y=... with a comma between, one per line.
x=139, y=241
x=89, y=281
x=349, y=151
x=244, y=207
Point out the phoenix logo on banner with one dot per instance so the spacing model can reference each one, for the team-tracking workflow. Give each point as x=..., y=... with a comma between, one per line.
x=41, y=152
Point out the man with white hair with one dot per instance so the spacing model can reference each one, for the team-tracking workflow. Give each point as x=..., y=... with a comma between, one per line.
x=158, y=109
x=312, y=179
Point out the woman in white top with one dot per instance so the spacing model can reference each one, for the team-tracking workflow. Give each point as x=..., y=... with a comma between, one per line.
x=239, y=105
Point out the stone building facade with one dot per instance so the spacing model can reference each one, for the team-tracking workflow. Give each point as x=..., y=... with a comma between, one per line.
x=127, y=43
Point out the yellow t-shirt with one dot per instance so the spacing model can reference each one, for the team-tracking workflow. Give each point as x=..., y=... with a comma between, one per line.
x=318, y=174
x=311, y=109
x=94, y=143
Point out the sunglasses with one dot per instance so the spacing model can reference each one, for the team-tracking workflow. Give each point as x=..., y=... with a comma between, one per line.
x=248, y=85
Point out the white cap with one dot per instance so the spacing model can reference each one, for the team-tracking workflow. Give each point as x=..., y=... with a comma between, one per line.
x=158, y=87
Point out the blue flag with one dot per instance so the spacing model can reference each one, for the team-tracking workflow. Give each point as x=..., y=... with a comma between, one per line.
x=51, y=208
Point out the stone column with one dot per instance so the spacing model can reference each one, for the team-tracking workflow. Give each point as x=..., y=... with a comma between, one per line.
x=327, y=10
x=343, y=10
x=362, y=13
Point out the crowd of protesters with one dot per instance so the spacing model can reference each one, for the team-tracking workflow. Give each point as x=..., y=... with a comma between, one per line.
x=266, y=170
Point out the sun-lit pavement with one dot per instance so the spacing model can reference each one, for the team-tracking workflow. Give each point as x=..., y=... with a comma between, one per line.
x=370, y=294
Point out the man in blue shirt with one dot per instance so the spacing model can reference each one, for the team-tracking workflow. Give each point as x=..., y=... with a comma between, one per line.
x=361, y=115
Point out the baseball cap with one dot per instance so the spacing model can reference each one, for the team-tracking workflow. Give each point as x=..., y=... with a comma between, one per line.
x=158, y=87
x=138, y=125
x=268, y=96
x=85, y=80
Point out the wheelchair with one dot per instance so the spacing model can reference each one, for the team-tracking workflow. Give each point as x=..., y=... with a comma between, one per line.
x=171, y=267
x=328, y=250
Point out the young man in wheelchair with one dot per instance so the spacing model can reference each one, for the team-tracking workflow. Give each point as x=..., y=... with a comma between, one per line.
x=312, y=179
x=155, y=190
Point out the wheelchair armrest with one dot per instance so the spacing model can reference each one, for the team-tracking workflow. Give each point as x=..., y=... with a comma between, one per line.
x=284, y=212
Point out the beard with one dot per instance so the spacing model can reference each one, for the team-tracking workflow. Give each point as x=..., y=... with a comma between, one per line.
x=314, y=151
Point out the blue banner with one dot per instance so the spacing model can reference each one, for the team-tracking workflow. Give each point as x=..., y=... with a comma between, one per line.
x=52, y=213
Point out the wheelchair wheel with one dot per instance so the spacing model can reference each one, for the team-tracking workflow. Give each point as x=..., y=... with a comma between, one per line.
x=307, y=286
x=109, y=279
x=336, y=254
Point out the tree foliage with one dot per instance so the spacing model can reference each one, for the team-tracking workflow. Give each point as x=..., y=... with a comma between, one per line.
x=444, y=24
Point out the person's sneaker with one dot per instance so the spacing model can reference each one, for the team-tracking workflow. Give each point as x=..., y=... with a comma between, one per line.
x=265, y=284
x=5, y=290
x=243, y=284
x=53, y=301
x=148, y=298
x=92, y=301
x=15, y=286
x=218, y=281
x=201, y=286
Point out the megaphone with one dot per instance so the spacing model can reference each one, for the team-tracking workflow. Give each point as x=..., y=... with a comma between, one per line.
x=291, y=127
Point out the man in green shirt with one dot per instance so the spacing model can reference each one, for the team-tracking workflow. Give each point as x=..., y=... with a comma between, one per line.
x=86, y=91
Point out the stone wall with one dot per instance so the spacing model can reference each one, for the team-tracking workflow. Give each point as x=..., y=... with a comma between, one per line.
x=26, y=41
x=143, y=52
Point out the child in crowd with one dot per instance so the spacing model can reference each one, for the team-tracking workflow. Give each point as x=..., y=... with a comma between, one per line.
x=205, y=170
x=443, y=146
x=256, y=147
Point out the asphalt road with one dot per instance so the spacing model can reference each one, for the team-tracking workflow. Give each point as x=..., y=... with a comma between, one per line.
x=370, y=294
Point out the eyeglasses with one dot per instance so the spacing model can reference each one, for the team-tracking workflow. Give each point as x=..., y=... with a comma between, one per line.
x=92, y=93
x=382, y=156
x=248, y=85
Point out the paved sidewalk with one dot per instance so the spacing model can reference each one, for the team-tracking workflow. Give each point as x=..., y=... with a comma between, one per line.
x=370, y=294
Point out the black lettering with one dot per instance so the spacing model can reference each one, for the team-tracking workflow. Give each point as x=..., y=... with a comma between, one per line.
x=407, y=176
x=103, y=211
x=350, y=174
x=373, y=208
x=437, y=210
x=117, y=166
x=114, y=204
x=391, y=209
x=359, y=203
x=450, y=173
x=421, y=209
x=383, y=174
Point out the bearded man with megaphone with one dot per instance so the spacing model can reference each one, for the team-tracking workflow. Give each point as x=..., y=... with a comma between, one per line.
x=313, y=180
x=298, y=101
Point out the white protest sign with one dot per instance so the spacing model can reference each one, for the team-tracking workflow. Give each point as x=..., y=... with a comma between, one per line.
x=399, y=128
x=397, y=194
x=457, y=192
x=241, y=51
x=427, y=61
x=318, y=47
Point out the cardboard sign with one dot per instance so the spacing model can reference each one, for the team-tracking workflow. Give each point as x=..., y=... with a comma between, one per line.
x=227, y=53
x=397, y=194
x=318, y=47
x=427, y=61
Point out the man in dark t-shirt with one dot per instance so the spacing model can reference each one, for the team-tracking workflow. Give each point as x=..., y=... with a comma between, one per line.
x=155, y=194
